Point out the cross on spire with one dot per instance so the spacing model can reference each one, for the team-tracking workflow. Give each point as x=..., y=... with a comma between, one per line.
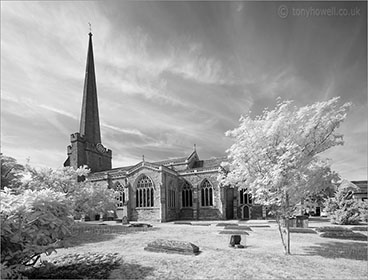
x=90, y=27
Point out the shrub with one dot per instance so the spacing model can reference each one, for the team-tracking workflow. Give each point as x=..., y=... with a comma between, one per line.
x=343, y=208
x=32, y=223
x=364, y=210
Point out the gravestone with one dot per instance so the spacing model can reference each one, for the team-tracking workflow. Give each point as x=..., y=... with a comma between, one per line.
x=235, y=241
x=125, y=220
x=172, y=246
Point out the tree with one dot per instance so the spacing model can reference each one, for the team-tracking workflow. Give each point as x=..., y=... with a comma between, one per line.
x=343, y=208
x=32, y=222
x=274, y=155
x=11, y=172
x=84, y=196
x=38, y=214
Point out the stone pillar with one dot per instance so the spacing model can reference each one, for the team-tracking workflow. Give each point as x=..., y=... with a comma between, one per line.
x=236, y=193
x=195, y=203
x=128, y=193
x=223, y=201
x=163, y=200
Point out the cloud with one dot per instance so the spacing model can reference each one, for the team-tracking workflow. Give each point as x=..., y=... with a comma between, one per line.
x=58, y=111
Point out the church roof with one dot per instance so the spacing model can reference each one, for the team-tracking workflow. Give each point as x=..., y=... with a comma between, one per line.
x=171, y=161
x=175, y=164
x=362, y=186
x=208, y=163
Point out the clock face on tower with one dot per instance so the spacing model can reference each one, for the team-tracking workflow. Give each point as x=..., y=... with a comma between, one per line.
x=100, y=148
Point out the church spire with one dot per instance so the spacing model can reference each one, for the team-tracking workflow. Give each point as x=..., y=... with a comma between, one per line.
x=90, y=122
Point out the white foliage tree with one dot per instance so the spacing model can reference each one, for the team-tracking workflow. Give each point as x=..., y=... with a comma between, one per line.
x=274, y=155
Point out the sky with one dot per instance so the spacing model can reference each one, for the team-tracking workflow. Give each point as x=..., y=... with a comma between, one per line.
x=173, y=74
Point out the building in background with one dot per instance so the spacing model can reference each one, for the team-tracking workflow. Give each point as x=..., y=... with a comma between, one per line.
x=182, y=188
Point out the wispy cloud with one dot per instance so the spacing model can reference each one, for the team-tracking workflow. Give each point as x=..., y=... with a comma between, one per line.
x=172, y=74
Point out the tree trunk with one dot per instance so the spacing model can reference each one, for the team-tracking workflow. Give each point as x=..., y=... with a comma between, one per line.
x=281, y=231
x=287, y=223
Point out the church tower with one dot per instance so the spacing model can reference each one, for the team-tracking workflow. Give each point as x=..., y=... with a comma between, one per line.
x=86, y=147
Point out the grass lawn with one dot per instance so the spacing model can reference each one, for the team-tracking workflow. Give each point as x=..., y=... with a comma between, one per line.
x=313, y=257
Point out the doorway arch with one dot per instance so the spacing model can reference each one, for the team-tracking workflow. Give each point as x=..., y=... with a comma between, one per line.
x=245, y=212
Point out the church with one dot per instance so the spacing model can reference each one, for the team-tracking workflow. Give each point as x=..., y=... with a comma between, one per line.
x=184, y=188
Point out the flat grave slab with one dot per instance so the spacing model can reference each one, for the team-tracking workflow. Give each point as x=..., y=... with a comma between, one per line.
x=236, y=232
x=226, y=224
x=142, y=225
x=201, y=224
x=344, y=235
x=172, y=246
x=332, y=228
x=258, y=226
x=363, y=228
x=236, y=227
x=182, y=223
x=302, y=230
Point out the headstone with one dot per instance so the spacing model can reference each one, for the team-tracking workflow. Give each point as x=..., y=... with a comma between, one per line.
x=235, y=240
x=125, y=220
x=172, y=246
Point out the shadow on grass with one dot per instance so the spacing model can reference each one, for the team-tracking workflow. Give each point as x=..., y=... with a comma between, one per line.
x=120, y=270
x=131, y=271
x=95, y=234
x=344, y=250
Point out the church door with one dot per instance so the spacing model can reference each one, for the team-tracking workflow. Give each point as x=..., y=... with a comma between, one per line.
x=246, y=214
x=229, y=203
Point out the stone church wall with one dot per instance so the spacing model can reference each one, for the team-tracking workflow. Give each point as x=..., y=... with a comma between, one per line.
x=145, y=213
x=186, y=214
x=171, y=183
x=200, y=212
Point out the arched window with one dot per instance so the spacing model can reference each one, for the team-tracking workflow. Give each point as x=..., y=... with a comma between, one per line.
x=120, y=195
x=187, y=195
x=144, y=193
x=206, y=193
x=245, y=197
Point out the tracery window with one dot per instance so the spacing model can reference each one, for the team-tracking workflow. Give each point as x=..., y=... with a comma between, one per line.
x=187, y=195
x=145, y=192
x=245, y=197
x=206, y=193
x=120, y=196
